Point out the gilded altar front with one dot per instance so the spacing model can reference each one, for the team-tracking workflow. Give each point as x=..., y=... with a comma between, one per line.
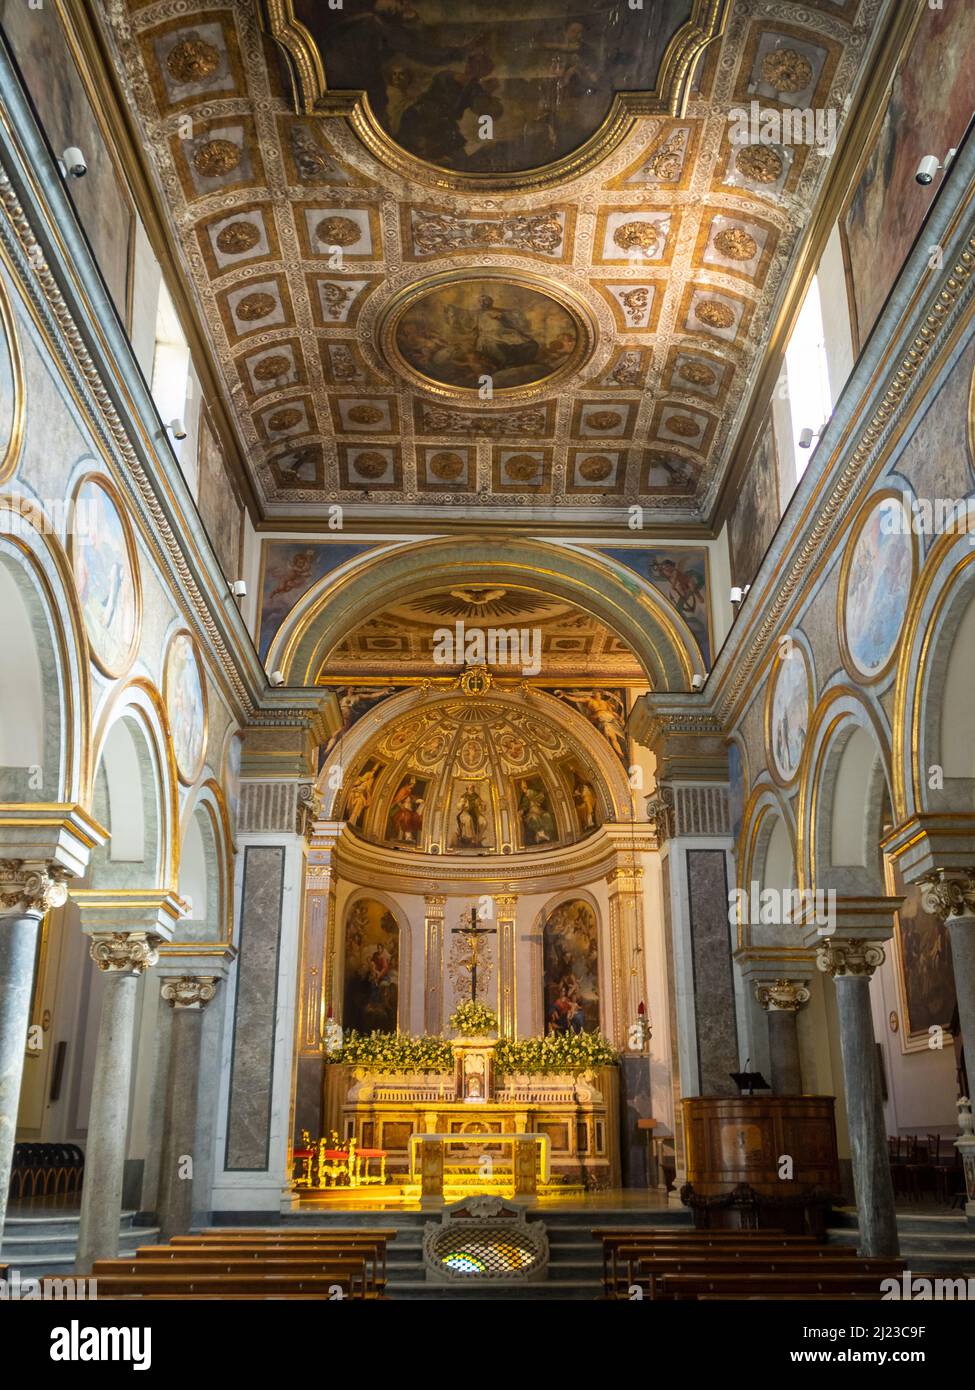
x=578, y=1115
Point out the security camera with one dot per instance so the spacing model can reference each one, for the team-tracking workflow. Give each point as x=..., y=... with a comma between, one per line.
x=73, y=162
x=239, y=588
x=276, y=678
x=736, y=594
x=806, y=437
x=927, y=169
x=931, y=165
x=178, y=429
x=697, y=682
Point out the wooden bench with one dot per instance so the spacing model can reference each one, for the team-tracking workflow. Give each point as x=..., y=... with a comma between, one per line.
x=632, y=1256
x=738, y=1285
x=315, y=1262
x=613, y=1237
x=184, y=1285
x=646, y=1273
x=372, y=1252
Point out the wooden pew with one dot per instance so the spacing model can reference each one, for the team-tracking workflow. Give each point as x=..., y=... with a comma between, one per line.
x=646, y=1272
x=739, y=1286
x=613, y=1237
x=373, y=1253
x=182, y=1285
x=351, y=1268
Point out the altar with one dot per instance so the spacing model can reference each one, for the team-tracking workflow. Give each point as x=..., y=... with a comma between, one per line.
x=565, y=1126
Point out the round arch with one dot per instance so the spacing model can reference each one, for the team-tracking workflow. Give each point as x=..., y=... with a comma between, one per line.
x=640, y=617
x=206, y=868
x=844, y=790
x=767, y=858
x=931, y=711
x=45, y=686
x=140, y=776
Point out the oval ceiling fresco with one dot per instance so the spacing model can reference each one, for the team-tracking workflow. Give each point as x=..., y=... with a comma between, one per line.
x=459, y=333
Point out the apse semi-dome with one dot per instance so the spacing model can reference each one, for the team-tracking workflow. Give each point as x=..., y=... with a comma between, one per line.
x=475, y=776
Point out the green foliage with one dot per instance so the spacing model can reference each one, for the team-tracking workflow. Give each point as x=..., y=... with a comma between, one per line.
x=394, y=1052
x=472, y=1020
x=561, y=1052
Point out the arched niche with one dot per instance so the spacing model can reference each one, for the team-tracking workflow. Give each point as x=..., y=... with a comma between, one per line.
x=768, y=861
x=633, y=610
x=45, y=703
x=133, y=794
x=845, y=800
x=204, y=870
x=934, y=715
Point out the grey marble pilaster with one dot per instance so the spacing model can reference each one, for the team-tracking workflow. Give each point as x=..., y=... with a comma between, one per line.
x=188, y=997
x=252, y=1065
x=714, y=989
x=26, y=893
x=851, y=964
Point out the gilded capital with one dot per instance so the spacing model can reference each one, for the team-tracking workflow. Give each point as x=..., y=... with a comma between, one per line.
x=31, y=888
x=189, y=991
x=949, y=893
x=133, y=952
x=784, y=996
x=848, y=957
x=505, y=904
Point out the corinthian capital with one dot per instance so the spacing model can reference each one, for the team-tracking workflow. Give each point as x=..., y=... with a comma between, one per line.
x=189, y=991
x=949, y=893
x=125, y=951
x=29, y=888
x=785, y=996
x=842, y=957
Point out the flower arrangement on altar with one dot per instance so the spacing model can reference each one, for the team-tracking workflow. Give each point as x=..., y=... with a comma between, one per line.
x=473, y=1020
x=569, y=1054
x=395, y=1052
x=565, y=1053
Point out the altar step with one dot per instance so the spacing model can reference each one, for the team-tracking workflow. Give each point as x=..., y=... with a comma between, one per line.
x=47, y=1244
x=929, y=1241
x=575, y=1269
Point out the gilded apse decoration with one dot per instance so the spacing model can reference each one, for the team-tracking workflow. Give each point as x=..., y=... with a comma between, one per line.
x=456, y=333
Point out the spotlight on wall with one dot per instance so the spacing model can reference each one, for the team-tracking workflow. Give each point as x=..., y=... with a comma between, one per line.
x=806, y=437
x=73, y=163
x=697, y=682
x=737, y=594
x=276, y=677
x=239, y=588
x=177, y=428
x=930, y=166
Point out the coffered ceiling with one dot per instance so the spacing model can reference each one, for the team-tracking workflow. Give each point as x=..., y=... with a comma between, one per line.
x=442, y=266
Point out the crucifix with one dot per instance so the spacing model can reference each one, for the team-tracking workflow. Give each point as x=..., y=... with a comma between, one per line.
x=473, y=933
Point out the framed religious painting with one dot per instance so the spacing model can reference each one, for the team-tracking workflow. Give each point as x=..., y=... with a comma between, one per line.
x=105, y=566
x=789, y=704
x=878, y=571
x=185, y=696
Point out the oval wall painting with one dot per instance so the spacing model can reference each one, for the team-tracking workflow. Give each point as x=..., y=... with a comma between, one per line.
x=105, y=566
x=11, y=392
x=878, y=586
x=789, y=716
x=186, y=706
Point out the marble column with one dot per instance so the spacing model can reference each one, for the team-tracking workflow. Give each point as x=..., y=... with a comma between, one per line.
x=851, y=964
x=951, y=894
x=27, y=892
x=122, y=957
x=782, y=1001
x=187, y=996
